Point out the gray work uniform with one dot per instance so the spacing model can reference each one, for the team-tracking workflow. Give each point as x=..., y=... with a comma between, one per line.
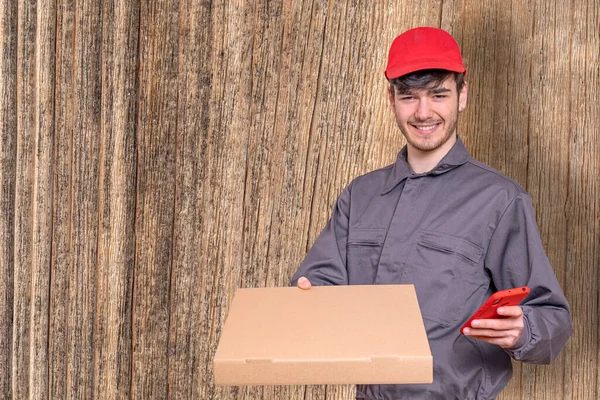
x=458, y=233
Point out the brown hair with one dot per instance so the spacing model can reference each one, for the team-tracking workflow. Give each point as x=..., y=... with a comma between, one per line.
x=424, y=79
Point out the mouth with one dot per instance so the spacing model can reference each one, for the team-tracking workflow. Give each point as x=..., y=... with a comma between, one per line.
x=426, y=129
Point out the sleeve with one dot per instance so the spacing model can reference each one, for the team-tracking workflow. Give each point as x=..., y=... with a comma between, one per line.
x=325, y=263
x=516, y=257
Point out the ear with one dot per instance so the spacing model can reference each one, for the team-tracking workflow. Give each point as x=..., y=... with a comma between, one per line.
x=462, y=97
x=391, y=96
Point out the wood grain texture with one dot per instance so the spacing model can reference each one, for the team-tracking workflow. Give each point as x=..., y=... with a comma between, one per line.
x=62, y=200
x=582, y=208
x=8, y=148
x=185, y=375
x=155, y=156
x=62, y=195
x=41, y=213
x=117, y=205
x=84, y=118
x=24, y=203
x=156, y=133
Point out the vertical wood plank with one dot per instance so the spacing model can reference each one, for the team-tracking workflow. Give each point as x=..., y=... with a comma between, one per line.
x=157, y=126
x=211, y=295
x=42, y=197
x=187, y=367
x=85, y=118
x=116, y=236
x=548, y=167
x=25, y=155
x=62, y=200
x=8, y=149
x=582, y=380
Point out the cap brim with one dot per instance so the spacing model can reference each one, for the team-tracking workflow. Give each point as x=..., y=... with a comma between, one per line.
x=405, y=69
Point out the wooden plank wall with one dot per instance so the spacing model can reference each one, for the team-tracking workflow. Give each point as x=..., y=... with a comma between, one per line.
x=157, y=155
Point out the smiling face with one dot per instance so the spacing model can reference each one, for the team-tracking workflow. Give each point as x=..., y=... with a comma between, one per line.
x=427, y=117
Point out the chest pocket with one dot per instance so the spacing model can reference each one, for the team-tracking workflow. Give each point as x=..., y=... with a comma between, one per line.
x=363, y=252
x=445, y=271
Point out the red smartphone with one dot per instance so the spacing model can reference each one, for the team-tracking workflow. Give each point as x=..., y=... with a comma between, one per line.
x=508, y=297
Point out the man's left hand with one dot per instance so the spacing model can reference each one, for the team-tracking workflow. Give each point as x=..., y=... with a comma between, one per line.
x=505, y=332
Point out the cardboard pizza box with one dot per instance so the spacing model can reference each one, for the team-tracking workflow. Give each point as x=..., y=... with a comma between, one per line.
x=371, y=334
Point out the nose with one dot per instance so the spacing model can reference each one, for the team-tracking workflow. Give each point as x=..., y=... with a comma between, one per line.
x=423, y=111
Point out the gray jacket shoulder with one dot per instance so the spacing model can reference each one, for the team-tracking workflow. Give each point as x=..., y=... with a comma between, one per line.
x=489, y=177
x=373, y=181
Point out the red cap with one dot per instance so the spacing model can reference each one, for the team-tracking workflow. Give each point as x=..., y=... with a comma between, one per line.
x=423, y=48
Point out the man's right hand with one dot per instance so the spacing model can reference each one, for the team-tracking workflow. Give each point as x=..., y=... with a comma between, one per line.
x=304, y=283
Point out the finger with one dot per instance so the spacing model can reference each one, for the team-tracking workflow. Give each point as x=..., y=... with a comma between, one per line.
x=501, y=338
x=510, y=311
x=499, y=324
x=489, y=333
x=504, y=342
x=304, y=283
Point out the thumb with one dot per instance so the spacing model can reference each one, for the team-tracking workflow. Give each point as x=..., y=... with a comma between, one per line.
x=304, y=283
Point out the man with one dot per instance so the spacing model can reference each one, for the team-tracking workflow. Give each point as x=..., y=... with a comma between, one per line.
x=455, y=228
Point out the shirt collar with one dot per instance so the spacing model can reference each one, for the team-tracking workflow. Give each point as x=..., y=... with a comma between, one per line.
x=457, y=155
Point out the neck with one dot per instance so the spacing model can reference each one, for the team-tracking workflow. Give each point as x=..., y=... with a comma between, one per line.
x=422, y=161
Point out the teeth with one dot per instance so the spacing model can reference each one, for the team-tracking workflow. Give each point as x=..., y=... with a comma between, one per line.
x=425, y=127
